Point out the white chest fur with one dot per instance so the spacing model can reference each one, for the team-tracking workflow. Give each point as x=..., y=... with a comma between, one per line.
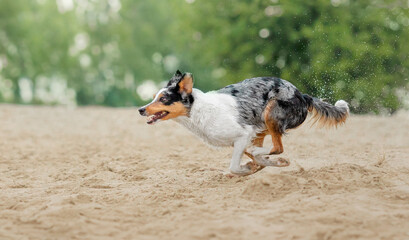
x=213, y=118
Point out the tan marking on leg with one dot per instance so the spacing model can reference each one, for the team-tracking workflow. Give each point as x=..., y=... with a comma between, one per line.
x=259, y=139
x=258, y=142
x=249, y=155
x=273, y=130
x=254, y=166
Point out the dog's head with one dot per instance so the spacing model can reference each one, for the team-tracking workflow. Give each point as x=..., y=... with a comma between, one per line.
x=172, y=101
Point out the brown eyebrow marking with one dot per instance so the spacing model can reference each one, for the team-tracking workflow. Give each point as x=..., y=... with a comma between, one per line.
x=159, y=96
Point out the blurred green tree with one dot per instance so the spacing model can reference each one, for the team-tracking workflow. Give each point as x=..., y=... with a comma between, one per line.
x=113, y=52
x=339, y=49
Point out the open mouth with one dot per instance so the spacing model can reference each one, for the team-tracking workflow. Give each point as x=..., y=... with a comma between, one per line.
x=155, y=117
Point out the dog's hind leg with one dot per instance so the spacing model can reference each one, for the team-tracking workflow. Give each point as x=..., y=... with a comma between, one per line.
x=270, y=160
x=259, y=139
x=262, y=156
x=238, y=151
x=273, y=128
x=257, y=142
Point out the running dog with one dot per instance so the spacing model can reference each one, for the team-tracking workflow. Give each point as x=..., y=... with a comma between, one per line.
x=241, y=115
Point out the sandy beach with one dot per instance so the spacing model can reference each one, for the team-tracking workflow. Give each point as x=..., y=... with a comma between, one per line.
x=103, y=173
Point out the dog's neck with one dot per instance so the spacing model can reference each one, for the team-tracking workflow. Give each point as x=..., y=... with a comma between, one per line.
x=194, y=111
x=198, y=119
x=204, y=119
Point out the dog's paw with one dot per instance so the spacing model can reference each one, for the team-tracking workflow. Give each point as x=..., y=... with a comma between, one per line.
x=254, y=166
x=277, y=151
x=256, y=151
x=267, y=160
x=247, y=169
x=243, y=170
x=228, y=174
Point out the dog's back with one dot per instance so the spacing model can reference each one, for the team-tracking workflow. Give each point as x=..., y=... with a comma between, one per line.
x=288, y=107
x=253, y=95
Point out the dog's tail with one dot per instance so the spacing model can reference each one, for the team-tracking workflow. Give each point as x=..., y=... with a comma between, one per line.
x=325, y=114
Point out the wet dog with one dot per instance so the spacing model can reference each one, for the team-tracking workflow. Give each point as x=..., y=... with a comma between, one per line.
x=241, y=115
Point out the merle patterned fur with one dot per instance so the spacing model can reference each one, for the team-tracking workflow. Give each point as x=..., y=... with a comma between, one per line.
x=252, y=96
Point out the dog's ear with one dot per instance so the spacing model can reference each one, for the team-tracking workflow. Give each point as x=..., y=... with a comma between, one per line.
x=177, y=73
x=186, y=84
x=174, y=81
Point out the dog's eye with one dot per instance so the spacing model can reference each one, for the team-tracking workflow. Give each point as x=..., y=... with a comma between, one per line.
x=162, y=99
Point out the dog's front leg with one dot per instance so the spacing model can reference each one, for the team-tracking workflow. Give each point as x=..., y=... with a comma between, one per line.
x=235, y=167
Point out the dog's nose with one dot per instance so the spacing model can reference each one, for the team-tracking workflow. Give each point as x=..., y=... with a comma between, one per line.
x=142, y=111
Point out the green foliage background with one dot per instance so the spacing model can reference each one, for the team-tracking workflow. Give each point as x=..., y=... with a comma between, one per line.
x=99, y=52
